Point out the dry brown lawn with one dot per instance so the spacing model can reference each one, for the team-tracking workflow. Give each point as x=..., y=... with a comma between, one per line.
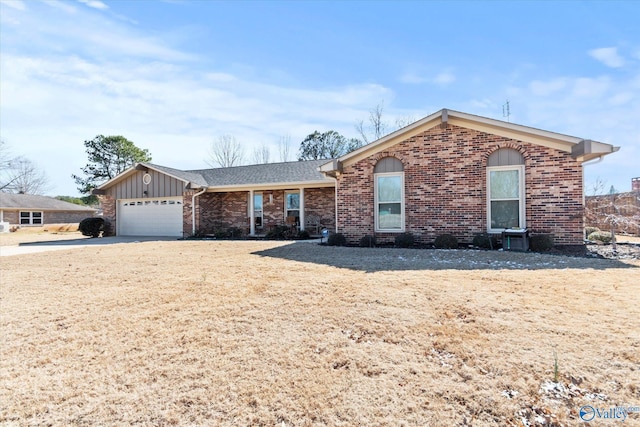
x=38, y=234
x=276, y=334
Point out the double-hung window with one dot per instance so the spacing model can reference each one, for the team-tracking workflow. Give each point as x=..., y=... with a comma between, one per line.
x=30, y=218
x=505, y=191
x=292, y=207
x=389, y=195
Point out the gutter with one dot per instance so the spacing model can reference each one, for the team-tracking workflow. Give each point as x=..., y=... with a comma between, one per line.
x=193, y=211
x=598, y=160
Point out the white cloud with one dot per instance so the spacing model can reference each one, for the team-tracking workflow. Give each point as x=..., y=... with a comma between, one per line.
x=608, y=56
x=96, y=4
x=16, y=4
x=546, y=88
x=61, y=5
x=413, y=77
x=586, y=87
x=444, y=78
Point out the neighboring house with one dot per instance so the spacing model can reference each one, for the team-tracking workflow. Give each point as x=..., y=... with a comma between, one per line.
x=450, y=172
x=28, y=209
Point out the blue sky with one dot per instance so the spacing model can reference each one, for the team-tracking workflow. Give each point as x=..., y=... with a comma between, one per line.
x=174, y=76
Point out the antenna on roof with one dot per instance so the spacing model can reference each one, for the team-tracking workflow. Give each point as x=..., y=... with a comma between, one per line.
x=506, y=112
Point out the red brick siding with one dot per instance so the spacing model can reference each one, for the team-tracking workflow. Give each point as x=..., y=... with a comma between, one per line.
x=108, y=205
x=445, y=187
x=219, y=211
x=322, y=202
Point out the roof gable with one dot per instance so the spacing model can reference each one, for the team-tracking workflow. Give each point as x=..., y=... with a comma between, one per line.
x=581, y=149
x=192, y=180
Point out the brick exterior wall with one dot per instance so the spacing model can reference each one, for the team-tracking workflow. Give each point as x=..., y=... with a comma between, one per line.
x=108, y=205
x=445, y=188
x=220, y=211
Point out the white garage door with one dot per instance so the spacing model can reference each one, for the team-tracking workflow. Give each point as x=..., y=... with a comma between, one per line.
x=150, y=217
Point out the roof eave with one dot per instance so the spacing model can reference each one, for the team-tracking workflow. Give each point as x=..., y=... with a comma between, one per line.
x=446, y=117
x=271, y=186
x=587, y=150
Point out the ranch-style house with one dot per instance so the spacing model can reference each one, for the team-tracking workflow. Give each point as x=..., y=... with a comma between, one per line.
x=450, y=172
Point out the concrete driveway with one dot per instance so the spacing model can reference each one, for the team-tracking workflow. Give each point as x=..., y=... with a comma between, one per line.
x=57, y=245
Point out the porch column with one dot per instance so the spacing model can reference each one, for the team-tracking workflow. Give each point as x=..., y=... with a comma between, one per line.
x=252, y=218
x=301, y=209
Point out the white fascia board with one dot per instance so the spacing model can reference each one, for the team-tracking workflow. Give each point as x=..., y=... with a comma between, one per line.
x=272, y=186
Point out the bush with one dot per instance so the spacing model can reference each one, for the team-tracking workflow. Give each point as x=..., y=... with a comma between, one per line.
x=220, y=234
x=368, y=241
x=277, y=232
x=541, y=242
x=303, y=234
x=405, y=240
x=336, y=239
x=485, y=241
x=601, y=236
x=446, y=241
x=91, y=226
x=234, y=232
x=590, y=230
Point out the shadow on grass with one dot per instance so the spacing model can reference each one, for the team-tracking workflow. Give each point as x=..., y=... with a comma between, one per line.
x=392, y=259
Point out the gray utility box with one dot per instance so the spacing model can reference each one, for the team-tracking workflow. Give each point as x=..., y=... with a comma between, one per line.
x=516, y=239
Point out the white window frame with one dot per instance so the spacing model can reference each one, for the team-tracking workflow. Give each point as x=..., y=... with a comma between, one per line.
x=377, y=203
x=261, y=210
x=286, y=198
x=521, y=196
x=20, y=217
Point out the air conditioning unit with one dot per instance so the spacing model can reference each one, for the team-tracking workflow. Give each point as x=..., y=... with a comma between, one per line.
x=4, y=227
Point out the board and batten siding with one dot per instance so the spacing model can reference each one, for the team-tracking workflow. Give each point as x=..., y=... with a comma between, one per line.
x=161, y=185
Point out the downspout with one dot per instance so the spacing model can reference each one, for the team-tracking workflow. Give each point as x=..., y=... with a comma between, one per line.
x=598, y=160
x=193, y=211
x=336, y=202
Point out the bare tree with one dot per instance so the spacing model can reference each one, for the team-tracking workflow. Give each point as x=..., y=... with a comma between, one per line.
x=612, y=210
x=284, y=147
x=404, y=121
x=19, y=174
x=28, y=178
x=225, y=152
x=261, y=154
x=376, y=127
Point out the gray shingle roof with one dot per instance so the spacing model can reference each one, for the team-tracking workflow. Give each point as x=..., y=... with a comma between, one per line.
x=189, y=176
x=270, y=173
x=42, y=203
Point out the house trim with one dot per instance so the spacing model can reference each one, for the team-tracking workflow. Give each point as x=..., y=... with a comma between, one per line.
x=581, y=149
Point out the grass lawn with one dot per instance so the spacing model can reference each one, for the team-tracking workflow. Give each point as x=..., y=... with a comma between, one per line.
x=277, y=334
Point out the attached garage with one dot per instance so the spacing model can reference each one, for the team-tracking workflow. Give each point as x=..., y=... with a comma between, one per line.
x=150, y=217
